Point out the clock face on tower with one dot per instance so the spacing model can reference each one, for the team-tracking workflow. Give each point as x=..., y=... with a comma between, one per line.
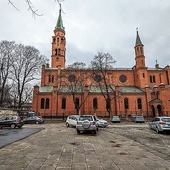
x=122, y=78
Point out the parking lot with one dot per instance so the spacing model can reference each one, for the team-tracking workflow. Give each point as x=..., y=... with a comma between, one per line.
x=120, y=146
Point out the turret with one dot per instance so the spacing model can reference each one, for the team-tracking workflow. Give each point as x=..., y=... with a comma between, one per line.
x=139, y=53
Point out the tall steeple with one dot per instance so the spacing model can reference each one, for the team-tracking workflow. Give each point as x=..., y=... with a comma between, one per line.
x=139, y=52
x=60, y=21
x=58, y=44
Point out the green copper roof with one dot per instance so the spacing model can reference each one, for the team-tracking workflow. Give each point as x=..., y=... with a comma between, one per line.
x=138, y=41
x=60, y=21
x=46, y=89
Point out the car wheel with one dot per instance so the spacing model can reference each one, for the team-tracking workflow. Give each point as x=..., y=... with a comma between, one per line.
x=13, y=126
x=157, y=130
x=95, y=131
x=37, y=122
x=78, y=131
x=67, y=124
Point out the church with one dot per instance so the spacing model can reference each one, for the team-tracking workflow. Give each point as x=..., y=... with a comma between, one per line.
x=138, y=90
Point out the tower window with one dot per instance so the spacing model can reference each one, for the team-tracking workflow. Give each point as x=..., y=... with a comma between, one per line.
x=42, y=103
x=58, y=39
x=143, y=75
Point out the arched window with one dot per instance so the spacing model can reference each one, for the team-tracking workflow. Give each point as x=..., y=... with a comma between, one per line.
x=42, y=103
x=49, y=78
x=63, y=103
x=77, y=103
x=139, y=103
x=58, y=39
x=95, y=103
x=52, y=78
x=47, y=104
x=126, y=103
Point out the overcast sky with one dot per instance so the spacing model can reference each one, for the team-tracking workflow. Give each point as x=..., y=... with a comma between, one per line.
x=93, y=26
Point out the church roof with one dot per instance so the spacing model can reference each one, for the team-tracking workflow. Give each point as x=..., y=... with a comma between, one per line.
x=138, y=40
x=60, y=21
x=45, y=89
x=130, y=89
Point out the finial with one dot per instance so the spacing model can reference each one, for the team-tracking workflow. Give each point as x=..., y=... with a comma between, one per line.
x=156, y=62
x=136, y=28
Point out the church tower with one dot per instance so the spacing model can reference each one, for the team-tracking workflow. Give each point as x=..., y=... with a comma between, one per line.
x=141, y=69
x=58, y=44
x=139, y=52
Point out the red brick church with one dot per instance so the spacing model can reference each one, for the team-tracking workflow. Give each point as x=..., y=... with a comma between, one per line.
x=139, y=90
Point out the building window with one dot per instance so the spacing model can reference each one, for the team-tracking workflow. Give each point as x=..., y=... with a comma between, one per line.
x=139, y=103
x=126, y=103
x=42, y=103
x=72, y=78
x=122, y=78
x=47, y=104
x=58, y=39
x=95, y=103
x=51, y=78
x=77, y=103
x=97, y=78
x=143, y=75
x=63, y=103
x=152, y=79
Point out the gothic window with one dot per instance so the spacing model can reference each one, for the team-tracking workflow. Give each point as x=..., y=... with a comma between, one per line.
x=58, y=39
x=63, y=103
x=152, y=79
x=77, y=103
x=52, y=78
x=126, y=103
x=47, y=103
x=139, y=101
x=42, y=103
x=57, y=52
x=143, y=75
x=95, y=103
x=122, y=78
x=53, y=40
x=49, y=78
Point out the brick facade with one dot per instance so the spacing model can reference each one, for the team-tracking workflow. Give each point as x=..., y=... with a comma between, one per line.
x=138, y=90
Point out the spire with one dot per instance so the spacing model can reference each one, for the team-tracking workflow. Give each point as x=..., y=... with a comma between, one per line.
x=60, y=21
x=138, y=41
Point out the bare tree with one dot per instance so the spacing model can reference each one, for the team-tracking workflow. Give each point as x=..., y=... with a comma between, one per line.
x=101, y=64
x=73, y=78
x=26, y=64
x=6, y=52
x=30, y=7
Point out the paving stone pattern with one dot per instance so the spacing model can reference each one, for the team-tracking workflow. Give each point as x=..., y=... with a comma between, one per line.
x=60, y=148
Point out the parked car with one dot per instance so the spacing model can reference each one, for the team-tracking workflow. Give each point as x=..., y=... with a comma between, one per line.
x=87, y=123
x=116, y=119
x=101, y=122
x=11, y=121
x=160, y=124
x=34, y=120
x=139, y=119
x=72, y=120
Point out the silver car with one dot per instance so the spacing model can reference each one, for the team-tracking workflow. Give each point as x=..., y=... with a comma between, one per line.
x=101, y=122
x=72, y=120
x=115, y=119
x=87, y=123
x=160, y=124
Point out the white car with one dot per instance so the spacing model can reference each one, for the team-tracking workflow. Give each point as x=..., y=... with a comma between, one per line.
x=101, y=122
x=72, y=120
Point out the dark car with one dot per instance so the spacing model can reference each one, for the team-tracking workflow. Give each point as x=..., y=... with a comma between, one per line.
x=34, y=120
x=11, y=121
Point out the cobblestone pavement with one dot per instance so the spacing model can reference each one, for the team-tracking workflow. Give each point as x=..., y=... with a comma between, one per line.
x=60, y=148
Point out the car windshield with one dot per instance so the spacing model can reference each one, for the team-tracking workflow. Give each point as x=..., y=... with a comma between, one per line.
x=82, y=118
x=166, y=119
